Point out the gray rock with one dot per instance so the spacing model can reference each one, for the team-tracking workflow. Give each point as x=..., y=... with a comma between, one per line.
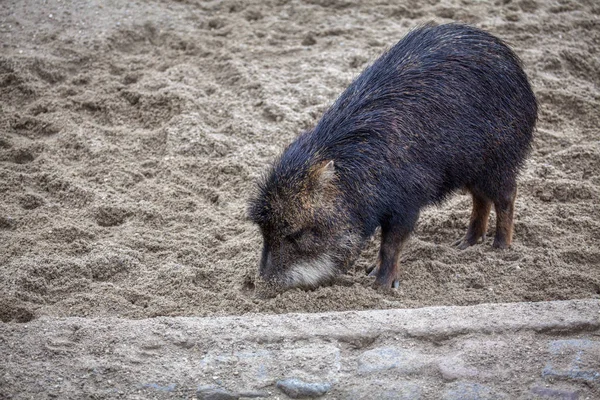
x=471, y=391
x=549, y=393
x=574, y=360
x=296, y=388
x=254, y=395
x=454, y=368
x=384, y=358
x=215, y=393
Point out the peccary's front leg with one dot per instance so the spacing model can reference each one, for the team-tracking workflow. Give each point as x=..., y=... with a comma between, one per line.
x=388, y=268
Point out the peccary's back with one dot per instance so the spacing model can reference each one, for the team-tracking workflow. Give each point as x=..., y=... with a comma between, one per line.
x=447, y=103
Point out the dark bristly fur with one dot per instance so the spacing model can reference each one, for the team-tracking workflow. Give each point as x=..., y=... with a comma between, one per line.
x=448, y=107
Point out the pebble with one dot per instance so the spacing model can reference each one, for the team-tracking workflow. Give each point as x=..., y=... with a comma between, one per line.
x=213, y=393
x=296, y=388
x=555, y=393
x=454, y=368
x=254, y=394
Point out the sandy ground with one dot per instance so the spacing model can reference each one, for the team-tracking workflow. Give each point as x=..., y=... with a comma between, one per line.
x=131, y=134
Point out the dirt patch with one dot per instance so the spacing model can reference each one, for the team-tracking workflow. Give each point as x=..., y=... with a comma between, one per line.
x=131, y=135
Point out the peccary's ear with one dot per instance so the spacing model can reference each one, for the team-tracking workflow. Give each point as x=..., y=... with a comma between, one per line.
x=327, y=172
x=324, y=173
x=322, y=186
x=321, y=180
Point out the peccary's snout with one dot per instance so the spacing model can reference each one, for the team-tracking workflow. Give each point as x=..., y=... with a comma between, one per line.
x=265, y=268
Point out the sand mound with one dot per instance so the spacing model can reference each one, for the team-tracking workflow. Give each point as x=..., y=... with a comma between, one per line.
x=131, y=135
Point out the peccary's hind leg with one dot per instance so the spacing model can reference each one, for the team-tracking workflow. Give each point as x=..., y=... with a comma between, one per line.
x=388, y=269
x=479, y=221
x=505, y=209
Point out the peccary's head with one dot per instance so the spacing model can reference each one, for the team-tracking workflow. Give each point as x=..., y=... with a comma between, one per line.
x=307, y=234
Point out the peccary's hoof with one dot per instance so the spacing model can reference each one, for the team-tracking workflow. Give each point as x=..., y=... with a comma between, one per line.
x=379, y=283
x=464, y=242
x=369, y=270
x=501, y=245
x=386, y=286
x=372, y=271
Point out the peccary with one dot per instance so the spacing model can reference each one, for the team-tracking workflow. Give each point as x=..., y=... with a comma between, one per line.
x=447, y=108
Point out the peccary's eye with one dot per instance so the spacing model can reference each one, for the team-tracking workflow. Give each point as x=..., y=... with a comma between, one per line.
x=294, y=236
x=304, y=237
